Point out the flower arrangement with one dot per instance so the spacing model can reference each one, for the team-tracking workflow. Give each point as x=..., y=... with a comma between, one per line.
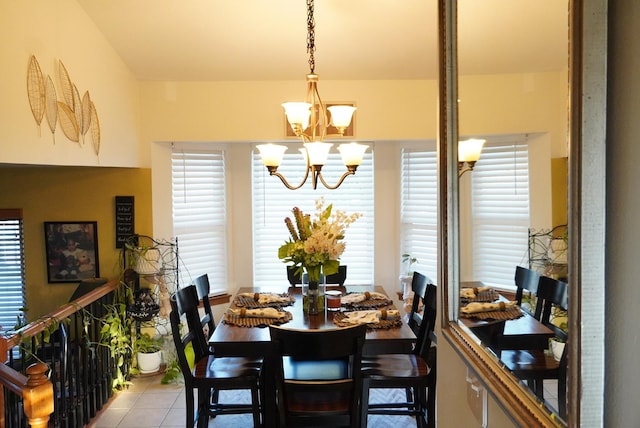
x=316, y=244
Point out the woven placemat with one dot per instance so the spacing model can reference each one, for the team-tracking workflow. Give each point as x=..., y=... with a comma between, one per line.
x=368, y=304
x=338, y=319
x=483, y=296
x=510, y=313
x=239, y=321
x=251, y=303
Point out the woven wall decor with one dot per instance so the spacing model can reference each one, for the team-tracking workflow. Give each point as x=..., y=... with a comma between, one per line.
x=76, y=116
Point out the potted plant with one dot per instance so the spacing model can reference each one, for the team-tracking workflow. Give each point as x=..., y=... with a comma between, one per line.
x=148, y=351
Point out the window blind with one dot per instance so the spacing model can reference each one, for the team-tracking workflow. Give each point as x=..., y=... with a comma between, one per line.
x=200, y=215
x=419, y=196
x=272, y=202
x=500, y=211
x=12, y=291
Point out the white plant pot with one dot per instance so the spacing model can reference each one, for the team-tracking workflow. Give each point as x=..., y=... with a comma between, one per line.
x=149, y=362
x=147, y=261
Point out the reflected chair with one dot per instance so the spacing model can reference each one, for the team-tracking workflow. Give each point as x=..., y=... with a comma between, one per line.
x=526, y=280
x=414, y=372
x=535, y=365
x=318, y=376
x=206, y=373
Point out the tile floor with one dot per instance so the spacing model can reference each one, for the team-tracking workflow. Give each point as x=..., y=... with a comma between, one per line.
x=149, y=404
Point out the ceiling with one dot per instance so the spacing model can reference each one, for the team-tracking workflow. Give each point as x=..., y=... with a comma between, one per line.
x=204, y=40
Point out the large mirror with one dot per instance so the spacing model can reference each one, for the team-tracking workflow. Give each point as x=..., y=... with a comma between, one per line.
x=514, y=76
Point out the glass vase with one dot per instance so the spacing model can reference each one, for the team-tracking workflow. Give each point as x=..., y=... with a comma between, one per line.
x=313, y=287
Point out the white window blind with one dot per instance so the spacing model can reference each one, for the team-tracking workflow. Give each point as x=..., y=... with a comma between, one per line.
x=200, y=215
x=500, y=210
x=272, y=202
x=12, y=298
x=419, y=195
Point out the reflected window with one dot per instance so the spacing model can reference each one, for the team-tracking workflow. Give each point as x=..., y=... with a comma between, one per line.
x=500, y=211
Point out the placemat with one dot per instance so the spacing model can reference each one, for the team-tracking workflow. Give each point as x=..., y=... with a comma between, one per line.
x=251, y=303
x=338, y=319
x=367, y=304
x=510, y=313
x=255, y=322
x=483, y=296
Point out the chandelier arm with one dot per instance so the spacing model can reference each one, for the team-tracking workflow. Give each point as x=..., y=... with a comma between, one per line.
x=286, y=183
x=351, y=170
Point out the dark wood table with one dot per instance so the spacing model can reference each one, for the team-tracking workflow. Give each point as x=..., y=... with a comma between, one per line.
x=230, y=340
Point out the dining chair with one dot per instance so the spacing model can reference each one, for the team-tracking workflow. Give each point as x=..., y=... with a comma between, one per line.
x=337, y=278
x=414, y=372
x=206, y=373
x=318, y=375
x=534, y=366
x=526, y=280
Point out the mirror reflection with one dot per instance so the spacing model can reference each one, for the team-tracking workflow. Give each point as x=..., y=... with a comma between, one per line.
x=513, y=199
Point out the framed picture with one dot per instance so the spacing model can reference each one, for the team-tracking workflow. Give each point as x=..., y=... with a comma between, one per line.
x=72, y=250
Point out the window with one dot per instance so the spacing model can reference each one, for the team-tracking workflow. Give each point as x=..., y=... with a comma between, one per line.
x=418, y=213
x=272, y=202
x=200, y=215
x=12, y=298
x=500, y=210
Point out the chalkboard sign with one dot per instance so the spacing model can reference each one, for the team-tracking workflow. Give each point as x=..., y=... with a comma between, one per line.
x=124, y=219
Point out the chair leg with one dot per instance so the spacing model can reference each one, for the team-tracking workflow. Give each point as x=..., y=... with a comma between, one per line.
x=255, y=406
x=364, y=403
x=190, y=411
x=215, y=398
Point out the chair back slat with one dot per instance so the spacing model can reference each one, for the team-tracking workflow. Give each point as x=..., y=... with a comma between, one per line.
x=203, y=287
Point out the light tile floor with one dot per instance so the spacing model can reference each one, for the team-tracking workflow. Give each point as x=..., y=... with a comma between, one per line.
x=149, y=404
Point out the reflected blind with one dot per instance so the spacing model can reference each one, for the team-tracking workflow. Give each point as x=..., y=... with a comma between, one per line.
x=200, y=215
x=12, y=295
x=272, y=202
x=500, y=211
x=419, y=195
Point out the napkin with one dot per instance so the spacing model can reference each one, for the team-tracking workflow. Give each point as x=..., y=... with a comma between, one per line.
x=476, y=307
x=267, y=298
x=370, y=317
x=256, y=313
x=471, y=293
x=361, y=297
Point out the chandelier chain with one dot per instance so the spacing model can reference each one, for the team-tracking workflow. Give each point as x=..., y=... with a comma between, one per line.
x=311, y=36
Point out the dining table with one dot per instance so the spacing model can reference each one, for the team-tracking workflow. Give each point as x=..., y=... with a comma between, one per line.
x=523, y=332
x=235, y=340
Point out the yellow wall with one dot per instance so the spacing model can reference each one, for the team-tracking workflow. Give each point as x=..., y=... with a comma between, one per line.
x=71, y=194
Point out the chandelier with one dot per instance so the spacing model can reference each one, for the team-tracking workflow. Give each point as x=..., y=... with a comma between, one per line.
x=468, y=154
x=309, y=122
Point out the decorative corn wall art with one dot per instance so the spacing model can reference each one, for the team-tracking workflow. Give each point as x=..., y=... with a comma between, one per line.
x=76, y=115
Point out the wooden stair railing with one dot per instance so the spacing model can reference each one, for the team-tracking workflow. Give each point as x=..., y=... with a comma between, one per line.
x=77, y=381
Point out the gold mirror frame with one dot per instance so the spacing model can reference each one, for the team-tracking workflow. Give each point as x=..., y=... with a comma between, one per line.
x=587, y=115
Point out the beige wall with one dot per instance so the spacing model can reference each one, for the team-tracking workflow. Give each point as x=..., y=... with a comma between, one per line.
x=56, y=31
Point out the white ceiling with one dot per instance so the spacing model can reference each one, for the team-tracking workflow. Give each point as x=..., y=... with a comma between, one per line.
x=201, y=40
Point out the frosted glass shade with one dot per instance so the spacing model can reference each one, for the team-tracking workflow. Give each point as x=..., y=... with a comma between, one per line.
x=318, y=152
x=352, y=153
x=470, y=150
x=297, y=113
x=271, y=154
x=341, y=115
